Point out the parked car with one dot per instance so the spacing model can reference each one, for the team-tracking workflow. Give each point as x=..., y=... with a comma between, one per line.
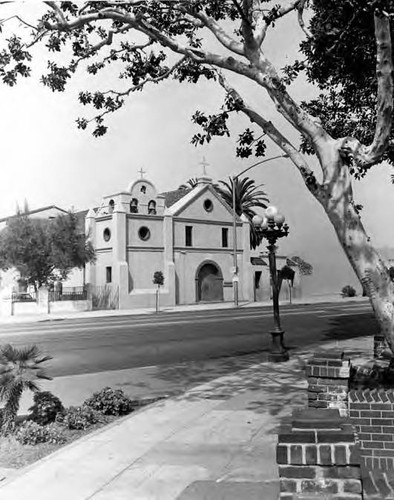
x=23, y=297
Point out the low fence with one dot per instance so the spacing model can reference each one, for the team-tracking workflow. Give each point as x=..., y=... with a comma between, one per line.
x=69, y=293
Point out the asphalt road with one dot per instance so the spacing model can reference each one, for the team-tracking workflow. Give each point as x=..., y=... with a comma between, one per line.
x=94, y=345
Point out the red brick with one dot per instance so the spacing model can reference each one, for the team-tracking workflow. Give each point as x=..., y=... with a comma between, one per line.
x=317, y=388
x=382, y=406
x=372, y=444
x=334, y=437
x=311, y=486
x=288, y=485
x=296, y=455
x=389, y=429
x=311, y=455
x=382, y=421
x=371, y=428
x=355, y=456
x=388, y=446
x=281, y=455
x=297, y=472
x=297, y=437
x=352, y=486
x=382, y=437
x=361, y=421
x=325, y=455
x=340, y=456
x=370, y=414
x=383, y=453
x=354, y=413
x=364, y=436
x=388, y=414
x=346, y=472
x=359, y=406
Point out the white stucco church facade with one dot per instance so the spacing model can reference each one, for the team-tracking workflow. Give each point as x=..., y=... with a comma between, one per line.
x=185, y=234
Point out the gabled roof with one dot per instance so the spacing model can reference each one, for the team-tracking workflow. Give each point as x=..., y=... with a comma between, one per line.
x=171, y=197
x=192, y=194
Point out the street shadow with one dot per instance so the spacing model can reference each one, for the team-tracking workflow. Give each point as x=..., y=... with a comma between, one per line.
x=251, y=384
x=349, y=327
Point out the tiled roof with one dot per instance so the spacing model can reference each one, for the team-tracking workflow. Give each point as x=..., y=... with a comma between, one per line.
x=171, y=197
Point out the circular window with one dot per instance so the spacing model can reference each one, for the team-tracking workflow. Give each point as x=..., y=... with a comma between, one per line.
x=107, y=234
x=144, y=233
x=208, y=205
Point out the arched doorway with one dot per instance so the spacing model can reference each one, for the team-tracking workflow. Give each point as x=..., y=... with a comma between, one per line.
x=209, y=282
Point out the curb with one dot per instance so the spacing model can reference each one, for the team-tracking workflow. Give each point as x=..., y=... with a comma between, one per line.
x=143, y=404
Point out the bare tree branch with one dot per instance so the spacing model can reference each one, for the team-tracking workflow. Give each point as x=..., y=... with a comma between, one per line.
x=273, y=133
x=265, y=21
x=220, y=34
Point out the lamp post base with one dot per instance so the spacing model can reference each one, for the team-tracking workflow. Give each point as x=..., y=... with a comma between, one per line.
x=278, y=352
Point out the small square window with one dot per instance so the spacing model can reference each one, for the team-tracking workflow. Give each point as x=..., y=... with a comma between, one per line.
x=108, y=274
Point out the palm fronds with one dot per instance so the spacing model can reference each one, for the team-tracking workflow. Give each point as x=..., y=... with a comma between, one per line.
x=20, y=369
x=248, y=197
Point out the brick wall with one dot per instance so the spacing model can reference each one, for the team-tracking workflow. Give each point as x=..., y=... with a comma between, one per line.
x=372, y=413
x=318, y=457
x=328, y=380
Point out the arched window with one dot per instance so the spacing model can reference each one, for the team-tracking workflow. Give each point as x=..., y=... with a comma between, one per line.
x=111, y=206
x=152, y=207
x=134, y=206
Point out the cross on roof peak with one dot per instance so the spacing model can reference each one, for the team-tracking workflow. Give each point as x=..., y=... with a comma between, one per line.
x=141, y=172
x=204, y=164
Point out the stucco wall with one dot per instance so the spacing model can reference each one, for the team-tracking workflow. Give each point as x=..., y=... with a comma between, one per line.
x=142, y=265
x=104, y=259
x=204, y=235
x=155, y=226
x=187, y=263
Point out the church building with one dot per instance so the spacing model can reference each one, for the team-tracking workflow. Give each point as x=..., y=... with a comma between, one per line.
x=186, y=234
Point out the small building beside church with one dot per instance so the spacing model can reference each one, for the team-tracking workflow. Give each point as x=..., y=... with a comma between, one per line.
x=186, y=234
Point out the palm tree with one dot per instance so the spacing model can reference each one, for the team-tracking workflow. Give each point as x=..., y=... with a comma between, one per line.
x=20, y=368
x=189, y=184
x=247, y=198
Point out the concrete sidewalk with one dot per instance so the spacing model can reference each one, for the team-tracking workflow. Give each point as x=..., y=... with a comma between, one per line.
x=215, y=441
x=25, y=318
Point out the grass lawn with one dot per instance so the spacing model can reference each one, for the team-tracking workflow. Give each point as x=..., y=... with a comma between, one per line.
x=15, y=455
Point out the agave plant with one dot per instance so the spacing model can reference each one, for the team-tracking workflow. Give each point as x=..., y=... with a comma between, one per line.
x=20, y=370
x=248, y=197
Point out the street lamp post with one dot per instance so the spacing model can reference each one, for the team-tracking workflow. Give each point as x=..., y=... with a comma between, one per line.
x=272, y=228
x=235, y=245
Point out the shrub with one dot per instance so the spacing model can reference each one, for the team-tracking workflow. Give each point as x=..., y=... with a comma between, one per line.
x=110, y=402
x=45, y=408
x=79, y=417
x=348, y=291
x=32, y=433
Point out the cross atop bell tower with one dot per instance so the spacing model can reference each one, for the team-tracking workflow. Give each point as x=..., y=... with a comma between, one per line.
x=141, y=172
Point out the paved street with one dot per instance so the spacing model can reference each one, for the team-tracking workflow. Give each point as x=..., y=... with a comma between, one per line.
x=94, y=345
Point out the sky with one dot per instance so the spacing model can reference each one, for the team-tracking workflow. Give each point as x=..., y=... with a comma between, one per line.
x=46, y=160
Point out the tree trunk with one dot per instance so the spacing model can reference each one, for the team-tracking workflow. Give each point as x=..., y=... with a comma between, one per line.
x=337, y=201
x=10, y=411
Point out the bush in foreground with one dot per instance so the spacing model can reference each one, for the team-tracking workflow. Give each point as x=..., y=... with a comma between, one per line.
x=348, y=291
x=45, y=408
x=110, y=402
x=32, y=433
x=80, y=417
